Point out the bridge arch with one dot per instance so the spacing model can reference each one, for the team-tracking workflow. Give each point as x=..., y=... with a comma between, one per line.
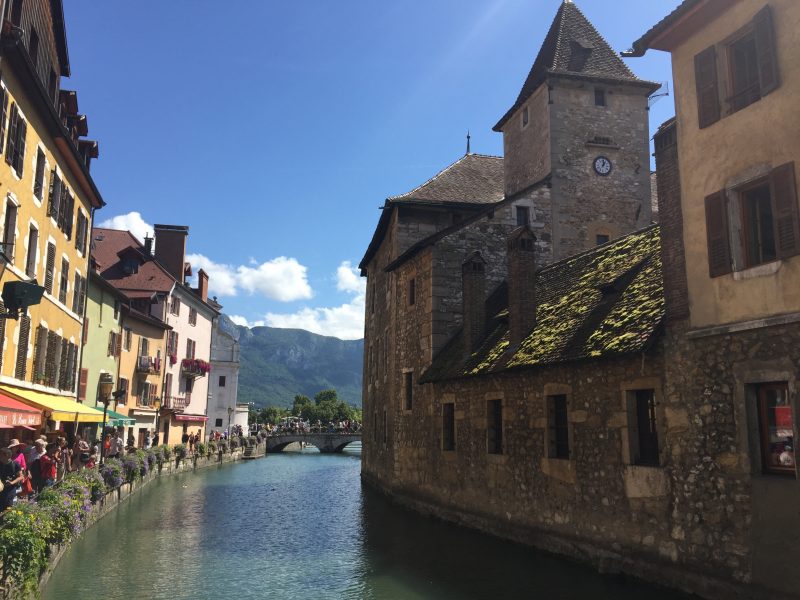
x=326, y=443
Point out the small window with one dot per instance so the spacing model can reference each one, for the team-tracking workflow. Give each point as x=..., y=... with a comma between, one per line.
x=600, y=239
x=218, y=423
x=743, y=61
x=644, y=441
x=123, y=387
x=523, y=215
x=557, y=426
x=9, y=230
x=192, y=316
x=408, y=388
x=38, y=180
x=776, y=428
x=599, y=97
x=64, y=281
x=494, y=426
x=757, y=224
x=412, y=292
x=448, y=426
x=525, y=117
x=222, y=381
x=175, y=306
x=33, y=242
x=33, y=47
x=128, y=339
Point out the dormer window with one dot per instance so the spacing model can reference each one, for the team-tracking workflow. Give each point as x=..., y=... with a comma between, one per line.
x=130, y=266
x=579, y=55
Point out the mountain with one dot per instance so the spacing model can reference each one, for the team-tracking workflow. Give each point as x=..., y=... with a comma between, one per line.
x=277, y=364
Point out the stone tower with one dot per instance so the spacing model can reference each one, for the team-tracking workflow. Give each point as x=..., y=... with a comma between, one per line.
x=580, y=121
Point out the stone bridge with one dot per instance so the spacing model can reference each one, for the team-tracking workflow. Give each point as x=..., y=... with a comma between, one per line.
x=325, y=442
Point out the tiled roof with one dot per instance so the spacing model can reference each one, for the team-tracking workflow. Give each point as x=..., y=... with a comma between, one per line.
x=605, y=302
x=572, y=46
x=472, y=179
x=107, y=244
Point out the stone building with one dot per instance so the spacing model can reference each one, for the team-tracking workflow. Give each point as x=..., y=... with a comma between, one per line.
x=224, y=385
x=627, y=400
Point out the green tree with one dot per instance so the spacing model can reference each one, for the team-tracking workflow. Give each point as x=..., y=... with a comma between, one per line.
x=326, y=396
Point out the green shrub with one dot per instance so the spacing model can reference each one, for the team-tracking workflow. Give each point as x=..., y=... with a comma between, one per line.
x=167, y=451
x=181, y=451
x=68, y=505
x=212, y=447
x=112, y=473
x=202, y=449
x=24, y=531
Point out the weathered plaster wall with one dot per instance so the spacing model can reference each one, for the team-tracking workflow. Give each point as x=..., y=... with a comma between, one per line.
x=758, y=136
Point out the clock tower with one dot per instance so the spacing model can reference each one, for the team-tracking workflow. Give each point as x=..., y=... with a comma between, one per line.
x=580, y=124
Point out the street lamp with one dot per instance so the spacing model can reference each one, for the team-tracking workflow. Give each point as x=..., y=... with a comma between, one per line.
x=105, y=385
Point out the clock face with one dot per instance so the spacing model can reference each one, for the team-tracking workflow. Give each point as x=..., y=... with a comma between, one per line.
x=602, y=165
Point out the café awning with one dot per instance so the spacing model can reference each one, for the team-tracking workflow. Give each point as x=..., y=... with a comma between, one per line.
x=59, y=407
x=115, y=419
x=196, y=418
x=14, y=413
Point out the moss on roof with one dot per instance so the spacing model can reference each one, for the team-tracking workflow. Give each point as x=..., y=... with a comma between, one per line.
x=604, y=302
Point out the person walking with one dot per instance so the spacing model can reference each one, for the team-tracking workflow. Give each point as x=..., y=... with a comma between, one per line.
x=10, y=479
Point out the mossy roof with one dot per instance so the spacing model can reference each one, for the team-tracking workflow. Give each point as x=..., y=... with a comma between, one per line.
x=605, y=302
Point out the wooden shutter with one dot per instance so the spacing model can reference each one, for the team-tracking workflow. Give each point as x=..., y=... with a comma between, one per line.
x=705, y=74
x=4, y=97
x=54, y=194
x=110, y=347
x=76, y=294
x=63, y=374
x=69, y=216
x=785, y=212
x=48, y=273
x=85, y=336
x=63, y=207
x=19, y=147
x=38, y=178
x=117, y=344
x=719, y=250
x=22, y=347
x=765, y=48
x=83, y=379
x=39, y=352
x=53, y=358
x=12, y=134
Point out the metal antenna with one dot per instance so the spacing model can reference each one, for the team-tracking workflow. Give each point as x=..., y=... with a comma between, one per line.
x=468, y=137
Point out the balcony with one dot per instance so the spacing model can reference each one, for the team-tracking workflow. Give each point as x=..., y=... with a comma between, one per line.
x=176, y=403
x=150, y=365
x=194, y=367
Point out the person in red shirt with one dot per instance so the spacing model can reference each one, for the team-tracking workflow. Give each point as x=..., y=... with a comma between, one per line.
x=48, y=465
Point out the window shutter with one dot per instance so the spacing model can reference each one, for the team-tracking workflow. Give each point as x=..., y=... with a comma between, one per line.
x=719, y=251
x=63, y=374
x=19, y=147
x=76, y=294
x=54, y=195
x=48, y=274
x=785, y=213
x=22, y=347
x=53, y=359
x=12, y=134
x=39, y=352
x=117, y=344
x=4, y=97
x=82, y=381
x=705, y=74
x=110, y=348
x=62, y=208
x=765, y=48
x=69, y=216
x=85, y=337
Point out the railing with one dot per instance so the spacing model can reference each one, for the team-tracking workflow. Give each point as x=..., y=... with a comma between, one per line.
x=194, y=367
x=177, y=403
x=145, y=402
x=148, y=364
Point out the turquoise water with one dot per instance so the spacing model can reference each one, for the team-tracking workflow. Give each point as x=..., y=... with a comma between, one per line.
x=299, y=525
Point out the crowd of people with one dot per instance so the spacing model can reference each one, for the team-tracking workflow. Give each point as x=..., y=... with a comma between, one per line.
x=298, y=426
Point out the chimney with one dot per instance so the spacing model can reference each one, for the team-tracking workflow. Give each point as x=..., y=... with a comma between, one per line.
x=148, y=245
x=521, y=284
x=473, y=298
x=202, y=285
x=670, y=217
x=171, y=248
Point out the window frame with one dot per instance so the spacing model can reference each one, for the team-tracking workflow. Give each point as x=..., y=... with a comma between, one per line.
x=763, y=433
x=408, y=390
x=559, y=443
x=600, y=98
x=448, y=427
x=635, y=436
x=30, y=257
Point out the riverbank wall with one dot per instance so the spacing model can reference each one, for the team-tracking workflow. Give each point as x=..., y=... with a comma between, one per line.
x=113, y=499
x=603, y=558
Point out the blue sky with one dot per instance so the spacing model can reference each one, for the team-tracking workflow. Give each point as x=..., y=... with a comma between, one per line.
x=275, y=130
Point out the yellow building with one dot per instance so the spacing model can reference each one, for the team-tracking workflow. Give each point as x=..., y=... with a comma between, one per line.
x=48, y=198
x=141, y=371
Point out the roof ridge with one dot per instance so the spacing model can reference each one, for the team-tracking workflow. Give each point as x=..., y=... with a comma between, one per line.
x=422, y=185
x=602, y=39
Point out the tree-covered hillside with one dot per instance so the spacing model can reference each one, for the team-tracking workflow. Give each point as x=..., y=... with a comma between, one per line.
x=278, y=364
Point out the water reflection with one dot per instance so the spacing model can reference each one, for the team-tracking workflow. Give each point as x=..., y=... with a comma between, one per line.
x=299, y=525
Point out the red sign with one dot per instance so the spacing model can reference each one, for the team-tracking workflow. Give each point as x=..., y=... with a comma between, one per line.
x=14, y=413
x=783, y=417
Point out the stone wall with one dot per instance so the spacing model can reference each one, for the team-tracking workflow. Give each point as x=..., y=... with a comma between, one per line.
x=526, y=148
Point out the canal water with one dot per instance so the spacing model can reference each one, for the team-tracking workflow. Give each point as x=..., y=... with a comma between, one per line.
x=299, y=525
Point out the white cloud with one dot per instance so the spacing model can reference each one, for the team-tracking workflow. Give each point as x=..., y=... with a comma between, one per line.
x=345, y=321
x=348, y=280
x=283, y=279
x=239, y=320
x=132, y=222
